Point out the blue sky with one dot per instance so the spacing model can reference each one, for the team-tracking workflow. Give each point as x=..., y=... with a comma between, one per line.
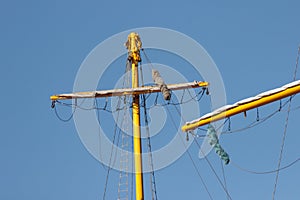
x=43, y=43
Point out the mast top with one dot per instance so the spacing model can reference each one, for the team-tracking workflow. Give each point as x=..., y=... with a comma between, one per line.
x=133, y=43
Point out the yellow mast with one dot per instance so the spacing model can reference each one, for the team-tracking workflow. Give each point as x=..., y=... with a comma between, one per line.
x=134, y=45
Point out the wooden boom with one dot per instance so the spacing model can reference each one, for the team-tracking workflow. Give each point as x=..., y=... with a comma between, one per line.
x=127, y=91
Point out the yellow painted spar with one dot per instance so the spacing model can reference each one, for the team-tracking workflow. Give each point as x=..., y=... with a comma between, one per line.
x=257, y=101
x=137, y=137
x=134, y=45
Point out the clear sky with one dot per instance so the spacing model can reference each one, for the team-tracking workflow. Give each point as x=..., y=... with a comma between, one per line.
x=43, y=43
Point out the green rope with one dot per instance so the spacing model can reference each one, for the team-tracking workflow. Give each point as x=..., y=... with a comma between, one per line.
x=214, y=142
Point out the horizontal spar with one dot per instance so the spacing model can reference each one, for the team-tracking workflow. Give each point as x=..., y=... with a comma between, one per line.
x=127, y=91
x=244, y=105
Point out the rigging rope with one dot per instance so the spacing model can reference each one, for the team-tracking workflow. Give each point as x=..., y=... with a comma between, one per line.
x=224, y=177
x=193, y=162
x=147, y=58
x=60, y=118
x=124, y=154
x=252, y=124
x=150, y=159
x=113, y=146
x=265, y=172
x=212, y=168
x=111, y=152
x=110, y=158
x=215, y=173
x=175, y=104
x=99, y=132
x=197, y=97
x=285, y=129
x=210, y=165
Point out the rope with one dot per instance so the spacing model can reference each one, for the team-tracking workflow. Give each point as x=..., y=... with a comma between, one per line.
x=255, y=123
x=113, y=146
x=198, y=96
x=285, y=129
x=297, y=61
x=265, y=172
x=194, y=164
x=202, y=181
x=99, y=132
x=215, y=173
x=228, y=195
x=224, y=177
x=60, y=118
x=111, y=152
x=147, y=58
x=142, y=74
x=124, y=157
x=150, y=160
x=224, y=188
x=174, y=124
